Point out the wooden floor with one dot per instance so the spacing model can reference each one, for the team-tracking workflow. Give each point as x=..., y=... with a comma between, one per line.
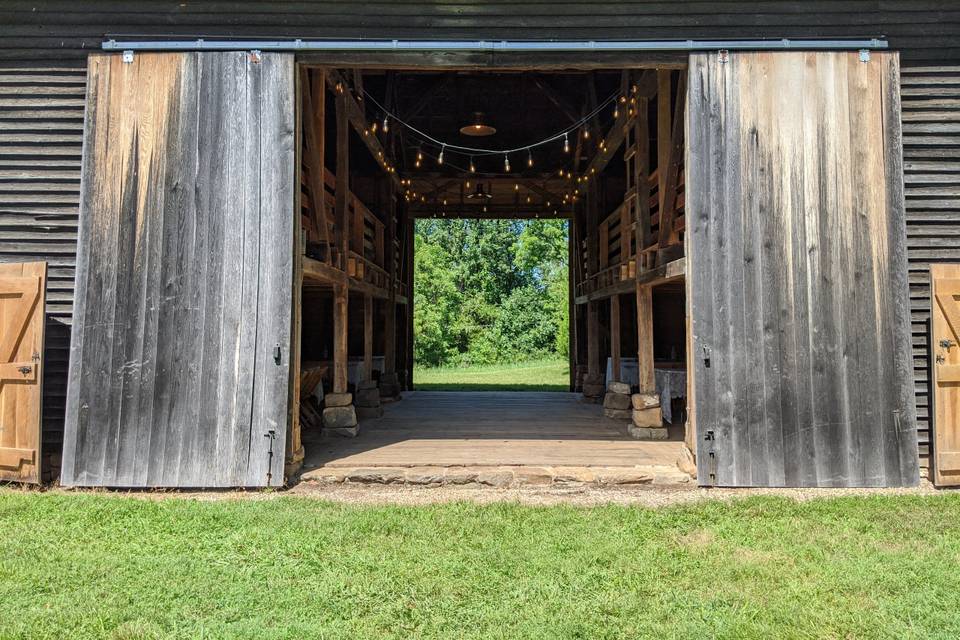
x=491, y=428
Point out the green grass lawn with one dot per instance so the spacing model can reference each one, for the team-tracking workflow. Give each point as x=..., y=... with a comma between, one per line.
x=538, y=375
x=86, y=566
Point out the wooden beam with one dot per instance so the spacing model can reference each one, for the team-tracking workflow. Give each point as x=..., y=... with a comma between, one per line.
x=668, y=200
x=641, y=169
x=358, y=120
x=505, y=61
x=558, y=101
x=314, y=105
x=342, y=191
x=367, y=337
x=645, y=372
x=340, y=322
x=667, y=272
x=593, y=342
x=664, y=129
x=315, y=271
x=612, y=140
x=615, y=337
x=390, y=308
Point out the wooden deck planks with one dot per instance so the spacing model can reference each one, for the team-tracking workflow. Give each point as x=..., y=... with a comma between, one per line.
x=491, y=428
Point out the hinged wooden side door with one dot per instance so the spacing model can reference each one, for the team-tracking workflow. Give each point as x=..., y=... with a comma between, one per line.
x=22, y=287
x=797, y=277
x=945, y=342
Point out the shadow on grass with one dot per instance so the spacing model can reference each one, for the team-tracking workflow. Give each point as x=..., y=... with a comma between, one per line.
x=471, y=386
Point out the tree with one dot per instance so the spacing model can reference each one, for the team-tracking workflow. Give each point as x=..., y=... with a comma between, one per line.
x=488, y=291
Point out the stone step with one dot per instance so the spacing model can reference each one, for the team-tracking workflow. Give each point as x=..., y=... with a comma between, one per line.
x=500, y=476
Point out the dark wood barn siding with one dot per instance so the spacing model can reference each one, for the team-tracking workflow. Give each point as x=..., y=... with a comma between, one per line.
x=180, y=354
x=798, y=278
x=41, y=128
x=923, y=29
x=931, y=161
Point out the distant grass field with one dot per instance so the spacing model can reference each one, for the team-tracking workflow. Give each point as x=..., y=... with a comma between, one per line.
x=538, y=375
x=86, y=566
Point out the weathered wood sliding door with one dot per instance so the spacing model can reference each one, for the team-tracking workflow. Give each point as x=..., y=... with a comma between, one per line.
x=798, y=271
x=180, y=354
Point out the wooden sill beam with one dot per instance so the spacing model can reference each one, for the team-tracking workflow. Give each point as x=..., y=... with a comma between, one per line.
x=666, y=272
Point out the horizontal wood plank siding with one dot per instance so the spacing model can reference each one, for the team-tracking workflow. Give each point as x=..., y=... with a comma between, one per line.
x=923, y=30
x=41, y=129
x=931, y=163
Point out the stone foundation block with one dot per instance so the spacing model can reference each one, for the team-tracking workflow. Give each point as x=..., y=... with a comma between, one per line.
x=687, y=463
x=593, y=390
x=342, y=432
x=645, y=400
x=647, y=433
x=617, y=414
x=619, y=387
x=647, y=417
x=614, y=400
x=365, y=413
x=378, y=475
x=338, y=399
x=364, y=385
x=367, y=398
x=339, y=417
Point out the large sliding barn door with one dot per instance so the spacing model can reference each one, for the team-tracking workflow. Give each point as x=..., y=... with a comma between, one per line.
x=798, y=271
x=179, y=363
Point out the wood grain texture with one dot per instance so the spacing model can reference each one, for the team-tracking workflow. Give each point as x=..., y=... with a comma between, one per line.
x=945, y=341
x=180, y=354
x=22, y=288
x=798, y=273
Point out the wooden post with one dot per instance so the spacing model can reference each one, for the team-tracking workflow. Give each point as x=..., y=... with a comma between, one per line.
x=367, y=337
x=390, y=307
x=664, y=128
x=340, y=320
x=571, y=304
x=641, y=178
x=645, y=373
x=341, y=292
x=615, y=337
x=593, y=343
x=343, y=182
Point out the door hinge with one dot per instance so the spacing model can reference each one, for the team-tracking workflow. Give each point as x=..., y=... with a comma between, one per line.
x=25, y=369
x=277, y=356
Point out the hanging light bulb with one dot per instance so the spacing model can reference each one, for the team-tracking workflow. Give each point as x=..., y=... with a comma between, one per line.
x=516, y=186
x=506, y=163
x=473, y=167
x=616, y=114
x=566, y=144
x=586, y=133
x=529, y=158
x=440, y=157
x=419, y=158
x=386, y=124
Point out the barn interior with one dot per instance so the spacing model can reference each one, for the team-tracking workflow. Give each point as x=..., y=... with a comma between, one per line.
x=602, y=149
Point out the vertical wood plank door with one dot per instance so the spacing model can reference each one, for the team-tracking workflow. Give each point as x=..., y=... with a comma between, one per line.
x=180, y=353
x=22, y=298
x=797, y=271
x=945, y=343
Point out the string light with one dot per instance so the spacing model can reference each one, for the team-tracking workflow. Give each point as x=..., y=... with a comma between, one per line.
x=386, y=124
x=529, y=158
x=440, y=157
x=616, y=114
x=506, y=163
x=586, y=133
x=473, y=167
x=566, y=143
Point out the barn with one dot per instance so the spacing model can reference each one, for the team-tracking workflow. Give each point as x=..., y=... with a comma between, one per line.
x=208, y=211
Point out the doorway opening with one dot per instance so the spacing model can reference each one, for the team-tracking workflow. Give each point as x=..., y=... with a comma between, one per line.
x=397, y=163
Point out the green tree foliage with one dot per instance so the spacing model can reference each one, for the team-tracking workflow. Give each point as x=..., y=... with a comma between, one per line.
x=490, y=291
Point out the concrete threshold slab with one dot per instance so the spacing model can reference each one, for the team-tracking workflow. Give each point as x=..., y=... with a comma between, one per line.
x=500, y=476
